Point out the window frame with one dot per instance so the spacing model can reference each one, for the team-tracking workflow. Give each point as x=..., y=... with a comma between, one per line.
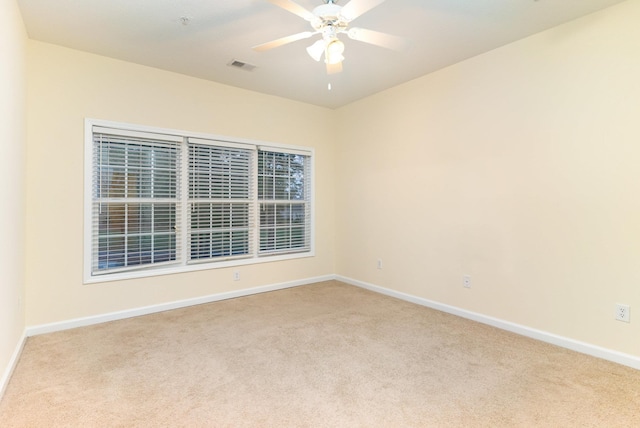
x=184, y=264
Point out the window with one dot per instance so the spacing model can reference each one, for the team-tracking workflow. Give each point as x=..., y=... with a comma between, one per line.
x=163, y=201
x=220, y=200
x=282, y=191
x=135, y=201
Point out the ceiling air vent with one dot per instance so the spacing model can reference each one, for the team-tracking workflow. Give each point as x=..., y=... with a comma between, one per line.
x=243, y=65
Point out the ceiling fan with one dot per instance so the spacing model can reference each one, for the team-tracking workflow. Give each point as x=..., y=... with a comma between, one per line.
x=330, y=20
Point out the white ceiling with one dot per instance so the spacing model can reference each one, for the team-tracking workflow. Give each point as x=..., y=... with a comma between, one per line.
x=151, y=32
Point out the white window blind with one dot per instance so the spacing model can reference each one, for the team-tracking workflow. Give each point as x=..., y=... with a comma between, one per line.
x=284, y=195
x=220, y=201
x=165, y=201
x=135, y=204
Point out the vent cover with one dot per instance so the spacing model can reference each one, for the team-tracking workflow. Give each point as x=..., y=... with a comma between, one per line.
x=241, y=64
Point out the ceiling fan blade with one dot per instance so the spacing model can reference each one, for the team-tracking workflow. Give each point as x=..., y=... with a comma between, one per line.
x=377, y=38
x=283, y=41
x=355, y=8
x=334, y=68
x=294, y=8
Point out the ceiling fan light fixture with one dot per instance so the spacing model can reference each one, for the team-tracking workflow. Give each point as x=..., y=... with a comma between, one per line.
x=334, y=52
x=316, y=50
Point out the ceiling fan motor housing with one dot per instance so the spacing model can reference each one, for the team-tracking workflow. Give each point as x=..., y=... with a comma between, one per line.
x=328, y=14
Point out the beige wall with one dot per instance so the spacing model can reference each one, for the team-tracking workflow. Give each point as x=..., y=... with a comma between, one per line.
x=65, y=86
x=519, y=167
x=13, y=40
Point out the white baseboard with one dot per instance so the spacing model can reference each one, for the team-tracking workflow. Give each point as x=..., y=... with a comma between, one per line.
x=6, y=376
x=146, y=310
x=574, y=345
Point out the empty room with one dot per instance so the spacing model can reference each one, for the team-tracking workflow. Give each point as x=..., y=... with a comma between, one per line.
x=316, y=213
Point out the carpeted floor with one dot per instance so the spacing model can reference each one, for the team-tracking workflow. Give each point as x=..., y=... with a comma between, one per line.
x=322, y=355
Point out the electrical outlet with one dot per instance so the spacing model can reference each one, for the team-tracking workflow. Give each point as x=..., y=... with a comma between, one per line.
x=379, y=265
x=236, y=276
x=622, y=313
x=466, y=281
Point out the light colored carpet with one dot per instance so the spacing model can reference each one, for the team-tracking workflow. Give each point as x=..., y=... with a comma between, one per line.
x=322, y=355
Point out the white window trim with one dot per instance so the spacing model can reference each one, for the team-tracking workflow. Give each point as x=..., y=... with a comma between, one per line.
x=183, y=266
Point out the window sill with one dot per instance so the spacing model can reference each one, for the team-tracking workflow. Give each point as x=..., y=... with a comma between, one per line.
x=175, y=269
